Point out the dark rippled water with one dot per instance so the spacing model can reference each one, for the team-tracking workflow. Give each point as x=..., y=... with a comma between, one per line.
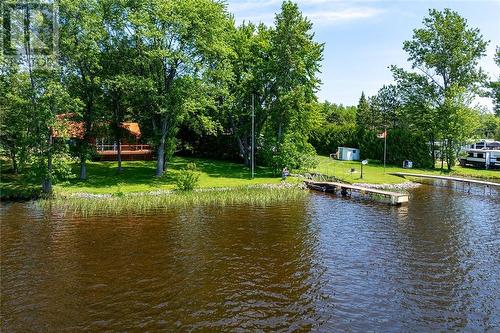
x=325, y=264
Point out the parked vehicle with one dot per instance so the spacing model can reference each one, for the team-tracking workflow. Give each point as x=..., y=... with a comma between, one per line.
x=484, y=154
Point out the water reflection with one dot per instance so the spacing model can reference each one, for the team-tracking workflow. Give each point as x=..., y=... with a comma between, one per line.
x=327, y=264
x=436, y=259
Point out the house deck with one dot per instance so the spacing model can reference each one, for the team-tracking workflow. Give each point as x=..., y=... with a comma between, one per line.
x=128, y=152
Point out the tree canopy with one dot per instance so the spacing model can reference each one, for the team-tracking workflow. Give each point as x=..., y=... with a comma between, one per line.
x=192, y=79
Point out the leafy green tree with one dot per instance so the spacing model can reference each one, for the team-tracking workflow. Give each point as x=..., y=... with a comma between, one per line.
x=250, y=83
x=445, y=53
x=179, y=46
x=336, y=128
x=119, y=82
x=366, y=129
x=489, y=126
x=33, y=97
x=82, y=33
x=48, y=162
x=386, y=107
x=495, y=86
x=116, y=91
x=294, y=66
x=363, y=113
x=338, y=113
x=15, y=117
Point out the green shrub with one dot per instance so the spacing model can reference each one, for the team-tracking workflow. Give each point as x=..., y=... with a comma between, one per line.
x=61, y=168
x=401, y=145
x=294, y=153
x=188, y=178
x=327, y=138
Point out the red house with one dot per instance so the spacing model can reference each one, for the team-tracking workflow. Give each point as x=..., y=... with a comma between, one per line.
x=106, y=146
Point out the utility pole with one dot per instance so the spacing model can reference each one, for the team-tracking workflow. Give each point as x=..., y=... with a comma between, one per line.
x=253, y=137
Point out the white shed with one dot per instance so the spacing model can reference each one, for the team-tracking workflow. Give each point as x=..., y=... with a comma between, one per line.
x=349, y=154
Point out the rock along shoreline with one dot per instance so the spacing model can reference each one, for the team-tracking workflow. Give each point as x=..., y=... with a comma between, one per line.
x=397, y=187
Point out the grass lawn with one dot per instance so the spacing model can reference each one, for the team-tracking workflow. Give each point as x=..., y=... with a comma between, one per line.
x=138, y=176
x=14, y=187
x=373, y=173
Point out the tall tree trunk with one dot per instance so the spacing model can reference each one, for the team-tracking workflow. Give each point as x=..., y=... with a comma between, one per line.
x=442, y=153
x=86, y=137
x=433, y=152
x=244, y=151
x=14, y=161
x=160, y=158
x=117, y=125
x=83, y=159
x=449, y=154
x=83, y=166
x=165, y=160
x=47, y=181
x=119, y=155
x=280, y=130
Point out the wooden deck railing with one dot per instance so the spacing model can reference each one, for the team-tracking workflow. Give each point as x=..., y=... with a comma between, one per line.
x=123, y=147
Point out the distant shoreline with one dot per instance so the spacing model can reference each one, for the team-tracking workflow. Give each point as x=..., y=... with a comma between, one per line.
x=138, y=178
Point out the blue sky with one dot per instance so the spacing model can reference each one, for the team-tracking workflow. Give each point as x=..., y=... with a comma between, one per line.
x=362, y=38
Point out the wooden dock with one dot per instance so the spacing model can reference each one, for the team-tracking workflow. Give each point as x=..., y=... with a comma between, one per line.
x=455, y=179
x=332, y=187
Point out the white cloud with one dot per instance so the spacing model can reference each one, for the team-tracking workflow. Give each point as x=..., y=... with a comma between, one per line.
x=239, y=6
x=342, y=15
x=321, y=12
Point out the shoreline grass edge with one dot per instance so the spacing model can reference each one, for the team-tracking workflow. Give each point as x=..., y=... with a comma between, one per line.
x=143, y=202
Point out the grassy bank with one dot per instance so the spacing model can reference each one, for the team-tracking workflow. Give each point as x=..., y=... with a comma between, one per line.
x=138, y=176
x=373, y=173
x=130, y=203
x=16, y=187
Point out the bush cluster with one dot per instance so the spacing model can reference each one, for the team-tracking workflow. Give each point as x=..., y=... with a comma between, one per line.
x=188, y=178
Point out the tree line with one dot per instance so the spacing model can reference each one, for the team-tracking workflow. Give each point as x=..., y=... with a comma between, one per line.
x=195, y=81
x=168, y=65
x=429, y=112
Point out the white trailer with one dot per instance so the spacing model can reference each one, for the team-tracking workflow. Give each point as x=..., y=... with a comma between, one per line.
x=484, y=158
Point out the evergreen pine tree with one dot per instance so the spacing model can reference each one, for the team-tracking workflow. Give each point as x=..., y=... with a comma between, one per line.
x=363, y=113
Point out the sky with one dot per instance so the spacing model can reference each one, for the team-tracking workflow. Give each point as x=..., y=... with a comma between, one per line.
x=363, y=38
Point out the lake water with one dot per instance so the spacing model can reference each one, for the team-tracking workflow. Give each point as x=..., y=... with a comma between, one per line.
x=325, y=264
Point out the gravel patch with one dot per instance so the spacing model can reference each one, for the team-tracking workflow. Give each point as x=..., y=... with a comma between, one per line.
x=89, y=195
x=401, y=187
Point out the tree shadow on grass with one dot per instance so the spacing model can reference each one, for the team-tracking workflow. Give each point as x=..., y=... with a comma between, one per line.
x=105, y=174
x=224, y=169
